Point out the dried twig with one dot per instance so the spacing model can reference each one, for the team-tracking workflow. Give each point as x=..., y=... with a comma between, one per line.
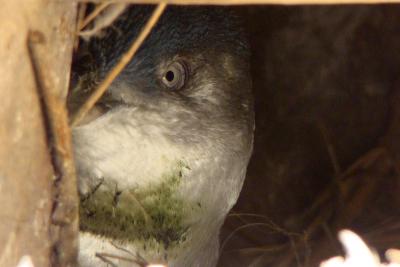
x=104, y=256
x=138, y=257
x=247, y=226
x=104, y=20
x=258, y=249
x=268, y=222
x=104, y=259
x=93, y=15
x=330, y=148
x=132, y=198
x=81, y=16
x=126, y=58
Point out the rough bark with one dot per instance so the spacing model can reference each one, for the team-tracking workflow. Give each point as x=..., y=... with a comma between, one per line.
x=28, y=191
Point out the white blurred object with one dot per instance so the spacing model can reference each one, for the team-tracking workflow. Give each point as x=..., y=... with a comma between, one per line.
x=393, y=255
x=358, y=254
x=25, y=261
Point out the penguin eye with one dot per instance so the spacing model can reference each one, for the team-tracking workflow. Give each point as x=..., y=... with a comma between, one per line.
x=175, y=75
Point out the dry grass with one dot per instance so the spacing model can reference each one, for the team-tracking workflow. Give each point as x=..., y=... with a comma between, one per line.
x=351, y=201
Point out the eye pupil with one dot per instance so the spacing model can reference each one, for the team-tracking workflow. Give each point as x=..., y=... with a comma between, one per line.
x=170, y=76
x=175, y=75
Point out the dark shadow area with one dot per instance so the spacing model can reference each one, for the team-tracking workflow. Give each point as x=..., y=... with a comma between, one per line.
x=325, y=156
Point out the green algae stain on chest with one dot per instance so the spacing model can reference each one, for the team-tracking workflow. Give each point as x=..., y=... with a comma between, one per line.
x=155, y=215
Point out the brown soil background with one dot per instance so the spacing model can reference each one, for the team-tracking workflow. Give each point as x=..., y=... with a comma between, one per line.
x=326, y=151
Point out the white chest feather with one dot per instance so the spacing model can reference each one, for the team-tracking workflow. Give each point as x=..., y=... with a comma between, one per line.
x=190, y=187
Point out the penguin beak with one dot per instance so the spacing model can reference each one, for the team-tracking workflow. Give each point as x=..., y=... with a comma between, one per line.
x=77, y=97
